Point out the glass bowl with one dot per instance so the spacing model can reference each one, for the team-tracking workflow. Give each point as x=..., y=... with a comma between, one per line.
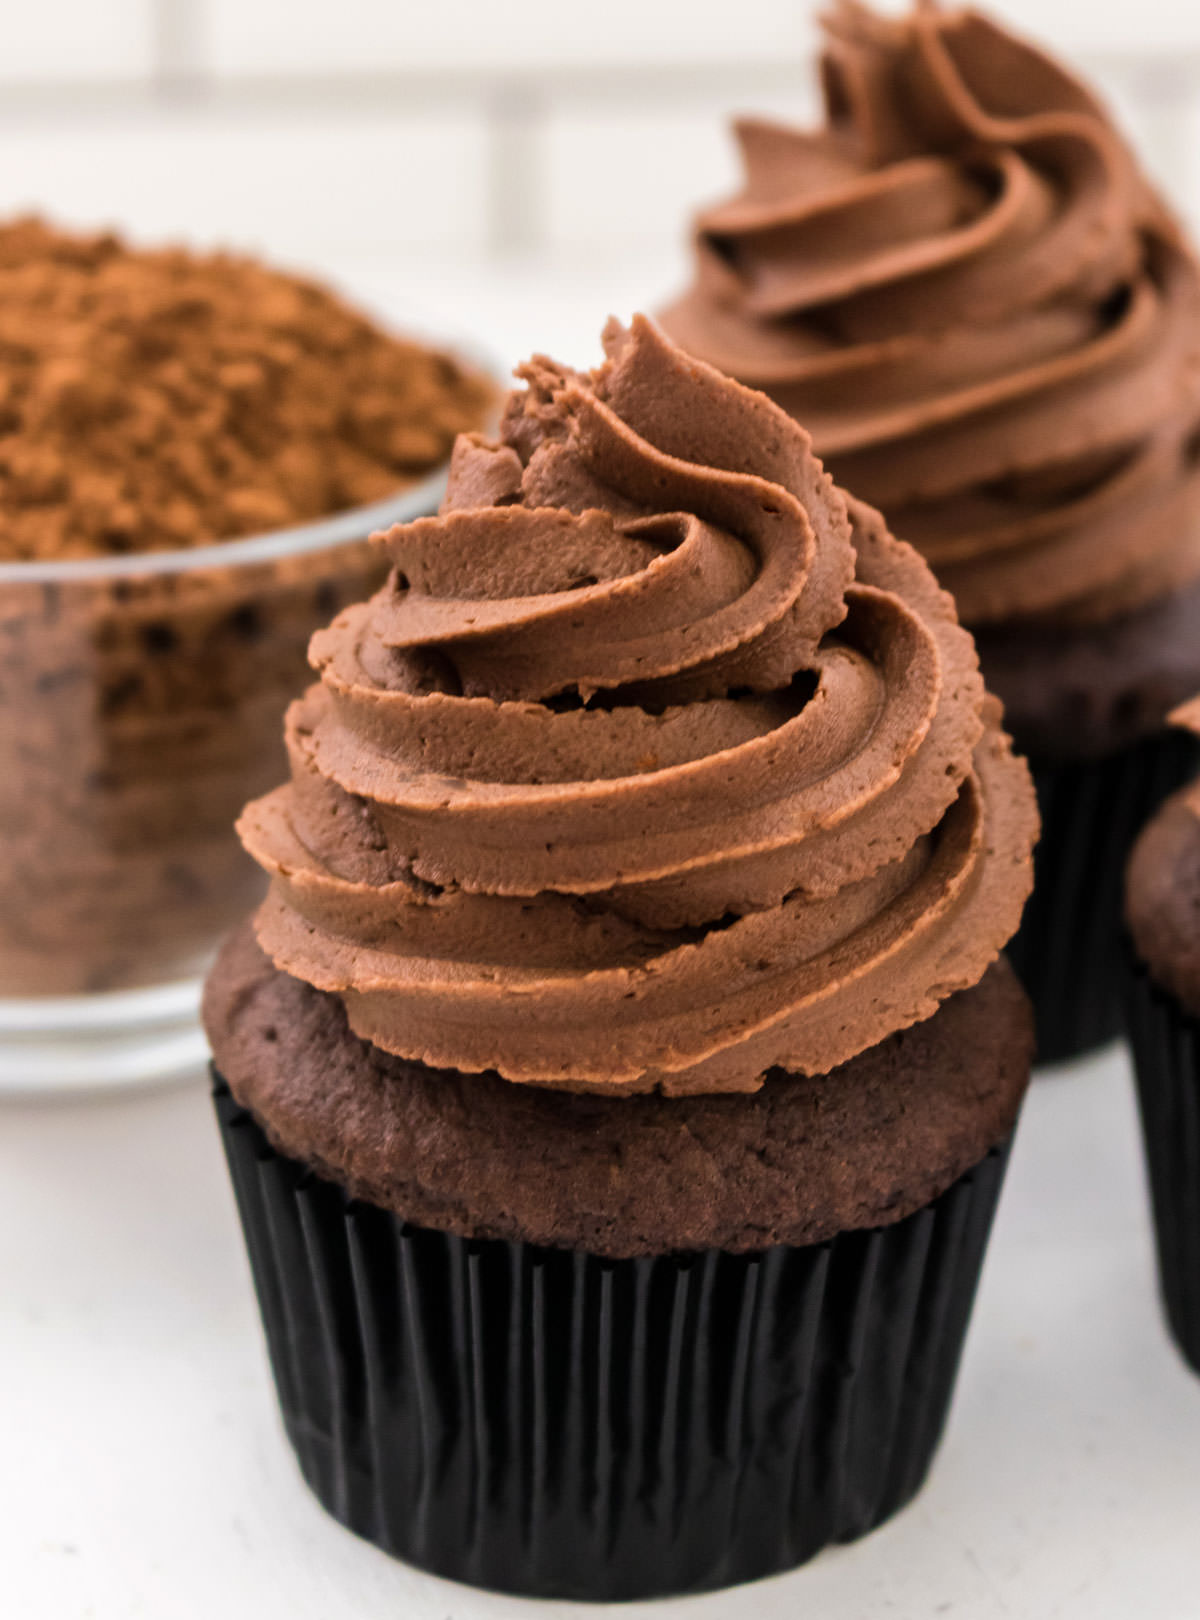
x=141, y=705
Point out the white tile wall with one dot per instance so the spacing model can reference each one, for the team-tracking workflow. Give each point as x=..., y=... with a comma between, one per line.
x=271, y=36
x=289, y=184
x=355, y=128
x=623, y=175
x=76, y=39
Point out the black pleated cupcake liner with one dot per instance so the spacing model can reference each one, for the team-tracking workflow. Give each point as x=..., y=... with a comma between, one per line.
x=555, y=1424
x=1166, y=1059
x=1069, y=953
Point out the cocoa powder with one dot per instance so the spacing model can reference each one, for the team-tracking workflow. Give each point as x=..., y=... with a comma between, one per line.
x=162, y=399
x=153, y=400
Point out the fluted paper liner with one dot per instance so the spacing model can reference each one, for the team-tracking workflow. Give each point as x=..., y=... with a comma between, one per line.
x=1166, y=1055
x=1069, y=953
x=555, y=1424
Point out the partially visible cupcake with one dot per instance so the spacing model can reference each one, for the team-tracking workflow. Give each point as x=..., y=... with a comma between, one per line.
x=990, y=323
x=618, y=1078
x=1163, y=908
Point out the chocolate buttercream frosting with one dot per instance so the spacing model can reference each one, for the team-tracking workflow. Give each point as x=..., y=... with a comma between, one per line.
x=657, y=763
x=985, y=316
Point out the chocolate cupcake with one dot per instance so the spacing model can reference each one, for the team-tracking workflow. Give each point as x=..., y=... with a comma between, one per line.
x=618, y=1079
x=1163, y=908
x=990, y=323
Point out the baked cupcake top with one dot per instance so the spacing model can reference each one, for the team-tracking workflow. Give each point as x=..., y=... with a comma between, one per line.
x=986, y=318
x=656, y=764
x=1163, y=887
x=797, y=1162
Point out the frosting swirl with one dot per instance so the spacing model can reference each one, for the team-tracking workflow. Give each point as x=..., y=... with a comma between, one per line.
x=654, y=764
x=979, y=308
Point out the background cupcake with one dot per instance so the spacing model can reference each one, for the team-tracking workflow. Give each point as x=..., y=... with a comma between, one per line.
x=990, y=323
x=631, y=957
x=1163, y=908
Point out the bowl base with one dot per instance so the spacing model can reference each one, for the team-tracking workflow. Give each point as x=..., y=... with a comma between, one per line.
x=61, y=1044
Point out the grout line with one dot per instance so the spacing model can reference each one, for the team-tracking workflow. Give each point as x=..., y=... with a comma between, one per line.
x=515, y=188
x=178, y=51
x=181, y=64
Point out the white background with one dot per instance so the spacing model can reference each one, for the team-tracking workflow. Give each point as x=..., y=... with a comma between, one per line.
x=383, y=128
x=514, y=172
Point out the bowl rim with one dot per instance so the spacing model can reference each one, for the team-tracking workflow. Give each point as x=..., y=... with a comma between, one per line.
x=413, y=500
x=339, y=528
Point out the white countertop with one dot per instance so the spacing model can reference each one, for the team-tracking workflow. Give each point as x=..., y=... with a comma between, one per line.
x=144, y=1471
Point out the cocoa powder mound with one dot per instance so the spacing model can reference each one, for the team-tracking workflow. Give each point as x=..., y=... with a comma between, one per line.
x=164, y=400
x=158, y=399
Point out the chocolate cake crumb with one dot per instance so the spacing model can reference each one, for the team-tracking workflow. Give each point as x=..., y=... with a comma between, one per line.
x=795, y=1162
